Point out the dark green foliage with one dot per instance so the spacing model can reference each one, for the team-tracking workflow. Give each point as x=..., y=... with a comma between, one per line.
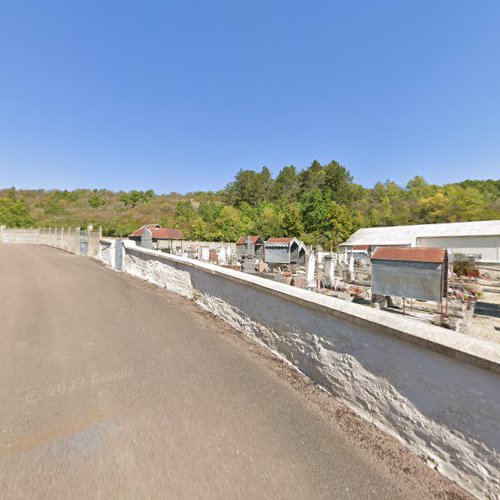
x=14, y=212
x=133, y=198
x=250, y=187
x=97, y=201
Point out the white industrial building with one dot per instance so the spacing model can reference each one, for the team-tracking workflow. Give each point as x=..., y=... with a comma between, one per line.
x=479, y=239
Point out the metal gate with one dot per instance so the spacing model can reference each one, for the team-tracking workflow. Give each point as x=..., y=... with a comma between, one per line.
x=84, y=242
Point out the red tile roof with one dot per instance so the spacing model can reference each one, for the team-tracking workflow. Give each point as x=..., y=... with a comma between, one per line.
x=243, y=240
x=410, y=254
x=361, y=247
x=159, y=233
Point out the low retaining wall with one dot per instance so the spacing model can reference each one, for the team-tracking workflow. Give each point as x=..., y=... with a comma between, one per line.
x=68, y=239
x=9, y=235
x=435, y=390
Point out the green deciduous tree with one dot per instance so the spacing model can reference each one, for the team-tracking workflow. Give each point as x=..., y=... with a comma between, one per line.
x=14, y=212
x=292, y=220
x=250, y=187
x=229, y=226
x=341, y=222
x=133, y=198
x=287, y=186
x=96, y=201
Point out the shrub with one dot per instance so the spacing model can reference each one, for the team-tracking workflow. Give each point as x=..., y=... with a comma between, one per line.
x=465, y=268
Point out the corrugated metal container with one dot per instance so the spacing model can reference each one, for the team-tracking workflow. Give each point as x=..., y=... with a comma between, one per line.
x=277, y=253
x=284, y=251
x=418, y=273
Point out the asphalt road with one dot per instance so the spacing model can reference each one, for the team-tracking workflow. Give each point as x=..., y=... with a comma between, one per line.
x=109, y=389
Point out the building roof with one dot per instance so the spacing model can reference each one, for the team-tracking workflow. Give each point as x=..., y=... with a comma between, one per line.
x=283, y=243
x=159, y=233
x=243, y=240
x=361, y=247
x=410, y=254
x=407, y=235
x=280, y=240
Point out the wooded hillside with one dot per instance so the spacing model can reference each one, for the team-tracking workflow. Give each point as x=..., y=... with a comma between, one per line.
x=320, y=204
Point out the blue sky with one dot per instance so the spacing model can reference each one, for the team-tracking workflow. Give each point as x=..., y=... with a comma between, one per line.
x=178, y=96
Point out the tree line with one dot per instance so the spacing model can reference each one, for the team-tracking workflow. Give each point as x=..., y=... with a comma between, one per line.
x=320, y=204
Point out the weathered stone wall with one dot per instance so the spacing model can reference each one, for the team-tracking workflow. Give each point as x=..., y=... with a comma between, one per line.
x=106, y=250
x=435, y=390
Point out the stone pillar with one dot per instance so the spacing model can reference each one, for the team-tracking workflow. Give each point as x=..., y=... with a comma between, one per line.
x=91, y=243
x=76, y=240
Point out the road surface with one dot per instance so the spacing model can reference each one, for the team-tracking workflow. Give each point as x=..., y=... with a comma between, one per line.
x=112, y=389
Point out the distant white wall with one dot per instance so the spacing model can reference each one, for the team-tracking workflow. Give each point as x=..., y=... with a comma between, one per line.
x=435, y=390
x=487, y=247
x=186, y=244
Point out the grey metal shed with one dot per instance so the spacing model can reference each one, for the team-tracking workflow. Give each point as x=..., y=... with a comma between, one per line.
x=418, y=273
x=284, y=251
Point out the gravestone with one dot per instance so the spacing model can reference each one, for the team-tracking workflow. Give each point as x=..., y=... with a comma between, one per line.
x=147, y=239
x=311, y=271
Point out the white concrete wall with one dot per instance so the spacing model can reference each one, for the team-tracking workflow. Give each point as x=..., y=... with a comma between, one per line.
x=10, y=235
x=185, y=244
x=488, y=247
x=67, y=239
x=435, y=390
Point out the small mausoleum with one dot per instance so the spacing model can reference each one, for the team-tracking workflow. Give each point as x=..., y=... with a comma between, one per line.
x=250, y=246
x=161, y=237
x=284, y=251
